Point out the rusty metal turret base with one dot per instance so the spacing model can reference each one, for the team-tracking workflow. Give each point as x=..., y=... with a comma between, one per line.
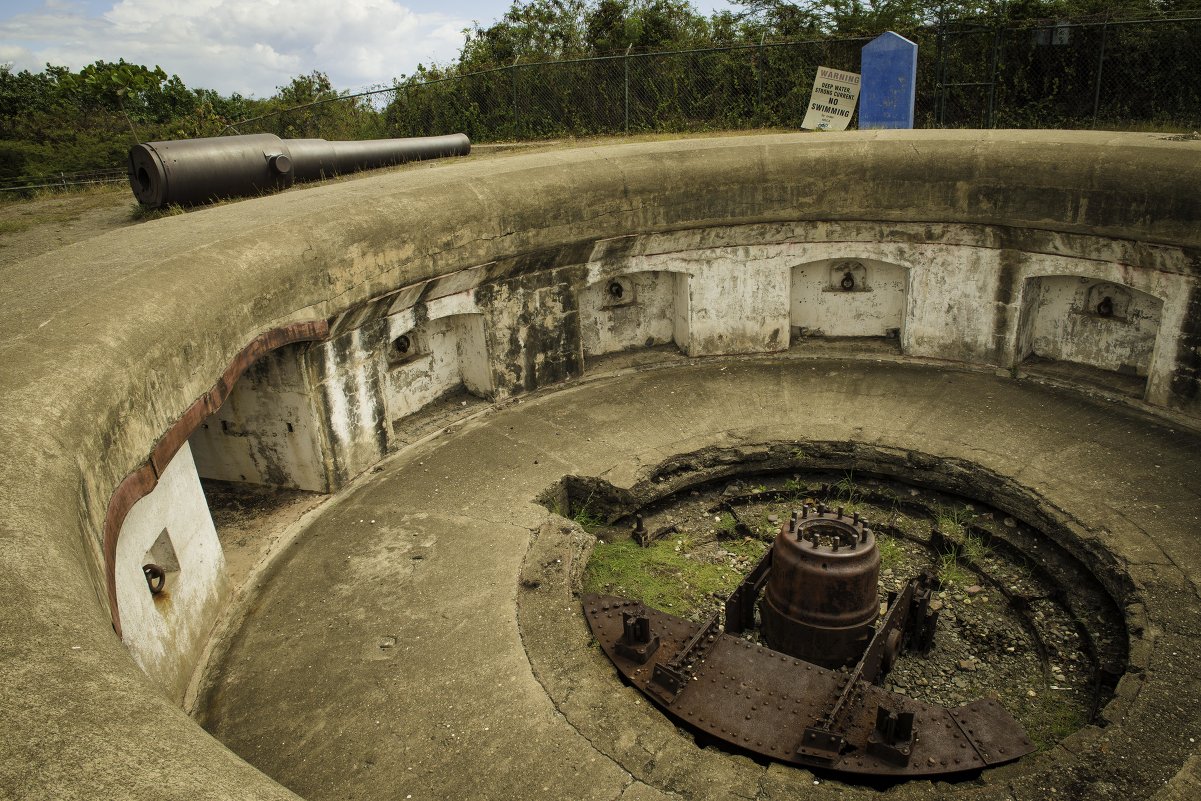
x=772, y=704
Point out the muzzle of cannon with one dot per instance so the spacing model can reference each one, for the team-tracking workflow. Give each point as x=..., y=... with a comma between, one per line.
x=190, y=171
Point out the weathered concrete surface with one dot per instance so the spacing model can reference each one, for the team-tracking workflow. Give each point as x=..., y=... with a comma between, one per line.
x=171, y=527
x=386, y=655
x=106, y=343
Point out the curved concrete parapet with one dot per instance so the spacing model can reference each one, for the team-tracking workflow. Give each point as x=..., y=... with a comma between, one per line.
x=983, y=247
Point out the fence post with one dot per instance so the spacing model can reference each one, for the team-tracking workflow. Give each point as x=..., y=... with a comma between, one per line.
x=992, y=76
x=1100, y=69
x=626, y=62
x=516, y=117
x=759, y=112
x=940, y=89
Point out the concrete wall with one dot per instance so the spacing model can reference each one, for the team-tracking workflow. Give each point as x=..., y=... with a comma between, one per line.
x=947, y=291
x=268, y=431
x=1061, y=321
x=870, y=304
x=171, y=527
x=93, y=373
x=643, y=316
x=445, y=353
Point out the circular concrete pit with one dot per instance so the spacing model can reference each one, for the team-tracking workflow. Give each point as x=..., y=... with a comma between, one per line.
x=1020, y=331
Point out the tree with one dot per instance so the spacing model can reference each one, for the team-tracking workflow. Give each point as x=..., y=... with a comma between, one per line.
x=538, y=30
x=615, y=25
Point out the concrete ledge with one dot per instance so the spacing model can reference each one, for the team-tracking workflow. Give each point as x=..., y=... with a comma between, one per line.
x=107, y=344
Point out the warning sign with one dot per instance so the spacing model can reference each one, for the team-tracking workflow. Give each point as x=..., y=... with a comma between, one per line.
x=833, y=100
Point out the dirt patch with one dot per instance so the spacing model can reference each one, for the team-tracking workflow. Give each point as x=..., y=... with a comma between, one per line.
x=251, y=520
x=31, y=227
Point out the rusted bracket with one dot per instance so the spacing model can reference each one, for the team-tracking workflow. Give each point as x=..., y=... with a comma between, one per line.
x=644, y=536
x=740, y=605
x=760, y=700
x=671, y=678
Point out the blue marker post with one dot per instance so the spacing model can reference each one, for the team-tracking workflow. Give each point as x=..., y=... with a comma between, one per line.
x=889, y=80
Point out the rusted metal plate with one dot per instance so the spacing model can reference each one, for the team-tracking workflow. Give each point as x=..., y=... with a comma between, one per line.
x=776, y=705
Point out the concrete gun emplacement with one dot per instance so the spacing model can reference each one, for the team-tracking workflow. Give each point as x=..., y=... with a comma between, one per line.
x=191, y=171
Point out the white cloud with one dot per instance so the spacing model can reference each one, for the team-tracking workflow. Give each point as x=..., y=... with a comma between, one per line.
x=247, y=46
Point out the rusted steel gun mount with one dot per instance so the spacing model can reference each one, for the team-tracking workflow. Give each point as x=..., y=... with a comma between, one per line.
x=792, y=709
x=821, y=598
x=187, y=171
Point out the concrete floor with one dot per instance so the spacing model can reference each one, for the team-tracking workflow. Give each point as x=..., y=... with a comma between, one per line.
x=414, y=644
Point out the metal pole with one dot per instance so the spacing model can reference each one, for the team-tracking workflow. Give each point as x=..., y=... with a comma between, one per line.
x=1100, y=69
x=626, y=61
x=940, y=91
x=516, y=118
x=992, y=78
x=759, y=61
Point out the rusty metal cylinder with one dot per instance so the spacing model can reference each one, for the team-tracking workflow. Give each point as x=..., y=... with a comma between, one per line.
x=189, y=171
x=821, y=601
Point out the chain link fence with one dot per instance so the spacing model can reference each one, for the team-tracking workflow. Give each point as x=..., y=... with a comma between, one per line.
x=1106, y=74
x=1129, y=74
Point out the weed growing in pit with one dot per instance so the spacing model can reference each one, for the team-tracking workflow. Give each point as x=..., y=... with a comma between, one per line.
x=581, y=515
x=659, y=576
x=587, y=519
x=953, y=520
x=751, y=550
x=845, y=490
x=891, y=553
x=951, y=573
x=973, y=548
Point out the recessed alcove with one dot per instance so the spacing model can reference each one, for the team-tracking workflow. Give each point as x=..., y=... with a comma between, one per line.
x=634, y=310
x=443, y=355
x=1094, y=332
x=267, y=431
x=848, y=297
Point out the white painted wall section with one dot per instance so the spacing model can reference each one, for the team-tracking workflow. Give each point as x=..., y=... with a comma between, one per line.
x=874, y=304
x=642, y=316
x=166, y=633
x=446, y=349
x=1064, y=324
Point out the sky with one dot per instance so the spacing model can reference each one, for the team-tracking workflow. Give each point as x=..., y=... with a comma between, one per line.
x=247, y=46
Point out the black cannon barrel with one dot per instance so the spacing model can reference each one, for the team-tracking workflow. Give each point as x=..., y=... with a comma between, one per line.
x=187, y=171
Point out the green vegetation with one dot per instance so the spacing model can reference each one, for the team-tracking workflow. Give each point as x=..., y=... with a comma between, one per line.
x=891, y=553
x=728, y=71
x=661, y=575
x=58, y=121
x=951, y=573
x=845, y=492
x=962, y=543
x=582, y=514
x=1048, y=720
x=953, y=520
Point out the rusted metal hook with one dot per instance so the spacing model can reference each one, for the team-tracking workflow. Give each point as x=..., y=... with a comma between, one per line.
x=156, y=578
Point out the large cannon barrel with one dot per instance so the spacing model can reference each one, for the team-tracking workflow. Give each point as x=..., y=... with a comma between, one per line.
x=187, y=171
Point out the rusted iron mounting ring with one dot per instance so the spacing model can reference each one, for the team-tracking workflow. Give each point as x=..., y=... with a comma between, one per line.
x=156, y=578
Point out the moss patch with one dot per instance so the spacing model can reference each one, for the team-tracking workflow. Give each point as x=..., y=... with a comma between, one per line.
x=664, y=575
